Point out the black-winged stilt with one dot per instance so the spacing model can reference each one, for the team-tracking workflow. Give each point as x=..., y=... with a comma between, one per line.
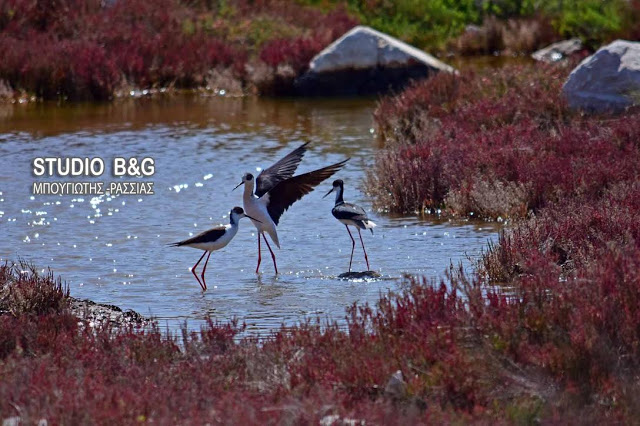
x=350, y=214
x=213, y=239
x=276, y=189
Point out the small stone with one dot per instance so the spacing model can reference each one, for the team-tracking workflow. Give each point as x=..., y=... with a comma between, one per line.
x=11, y=421
x=329, y=420
x=364, y=275
x=396, y=387
x=558, y=51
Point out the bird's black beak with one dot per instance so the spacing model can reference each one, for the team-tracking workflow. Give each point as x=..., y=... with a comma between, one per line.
x=252, y=218
x=238, y=185
x=330, y=191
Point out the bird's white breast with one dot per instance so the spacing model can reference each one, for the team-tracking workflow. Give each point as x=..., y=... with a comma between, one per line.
x=229, y=233
x=257, y=208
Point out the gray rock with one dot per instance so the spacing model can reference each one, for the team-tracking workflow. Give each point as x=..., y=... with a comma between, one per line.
x=97, y=313
x=608, y=80
x=336, y=420
x=558, y=51
x=473, y=29
x=330, y=420
x=365, y=61
x=11, y=421
x=364, y=275
x=396, y=387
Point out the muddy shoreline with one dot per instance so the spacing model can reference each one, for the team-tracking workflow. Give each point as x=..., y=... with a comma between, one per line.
x=101, y=313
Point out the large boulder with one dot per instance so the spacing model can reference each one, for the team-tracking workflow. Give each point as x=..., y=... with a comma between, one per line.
x=558, y=51
x=363, y=62
x=609, y=80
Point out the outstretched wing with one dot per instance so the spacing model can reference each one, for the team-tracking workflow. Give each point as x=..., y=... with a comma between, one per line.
x=288, y=191
x=283, y=169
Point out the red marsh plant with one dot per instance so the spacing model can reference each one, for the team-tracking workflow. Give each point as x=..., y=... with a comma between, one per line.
x=473, y=145
x=570, y=235
x=567, y=296
x=582, y=329
x=475, y=99
x=23, y=291
x=62, y=369
x=466, y=352
x=153, y=45
x=559, y=294
x=86, y=49
x=297, y=52
x=289, y=58
x=58, y=69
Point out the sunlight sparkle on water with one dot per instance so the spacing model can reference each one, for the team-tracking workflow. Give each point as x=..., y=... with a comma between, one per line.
x=213, y=139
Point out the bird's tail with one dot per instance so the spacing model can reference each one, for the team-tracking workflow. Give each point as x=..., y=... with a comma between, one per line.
x=368, y=224
x=274, y=236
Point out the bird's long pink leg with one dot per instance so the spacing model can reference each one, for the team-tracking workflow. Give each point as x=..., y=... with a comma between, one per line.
x=203, y=271
x=193, y=270
x=259, y=254
x=273, y=256
x=364, y=250
x=353, y=246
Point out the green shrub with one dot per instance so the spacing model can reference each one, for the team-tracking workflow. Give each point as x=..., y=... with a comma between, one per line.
x=429, y=24
x=594, y=21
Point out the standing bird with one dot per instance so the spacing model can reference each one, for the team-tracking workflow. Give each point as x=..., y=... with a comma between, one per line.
x=276, y=189
x=350, y=214
x=213, y=239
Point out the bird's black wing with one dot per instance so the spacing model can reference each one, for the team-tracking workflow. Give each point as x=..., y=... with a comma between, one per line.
x=283, y=169
x=349, y=212
x=204, y=237
x=288, y=191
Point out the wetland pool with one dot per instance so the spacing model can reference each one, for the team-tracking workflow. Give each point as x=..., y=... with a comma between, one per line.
x=114, y=249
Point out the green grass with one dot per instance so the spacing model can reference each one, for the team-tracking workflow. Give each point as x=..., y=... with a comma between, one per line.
x=430, y=24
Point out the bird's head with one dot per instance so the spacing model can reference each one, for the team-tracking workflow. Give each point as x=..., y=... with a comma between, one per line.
x=247, y=177
x=238, y=213
x=338, y=184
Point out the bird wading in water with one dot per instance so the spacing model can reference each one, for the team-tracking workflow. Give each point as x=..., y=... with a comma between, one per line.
x=350, y=215
x=213, y=239
x=274, y=190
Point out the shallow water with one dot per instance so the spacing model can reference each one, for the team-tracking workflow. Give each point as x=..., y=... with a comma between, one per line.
x=113, y=249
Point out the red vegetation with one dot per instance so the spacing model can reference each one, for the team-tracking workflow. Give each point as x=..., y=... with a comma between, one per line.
x=51, y=69
x=544, y=349
x=293, y=52
x=470, y=102
x=496, y=145
x=546, y=331
x=559, y=295
x=87, y=49
x=297, y=52
x=288, y=58
x=580, y=327
x=63, y=370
